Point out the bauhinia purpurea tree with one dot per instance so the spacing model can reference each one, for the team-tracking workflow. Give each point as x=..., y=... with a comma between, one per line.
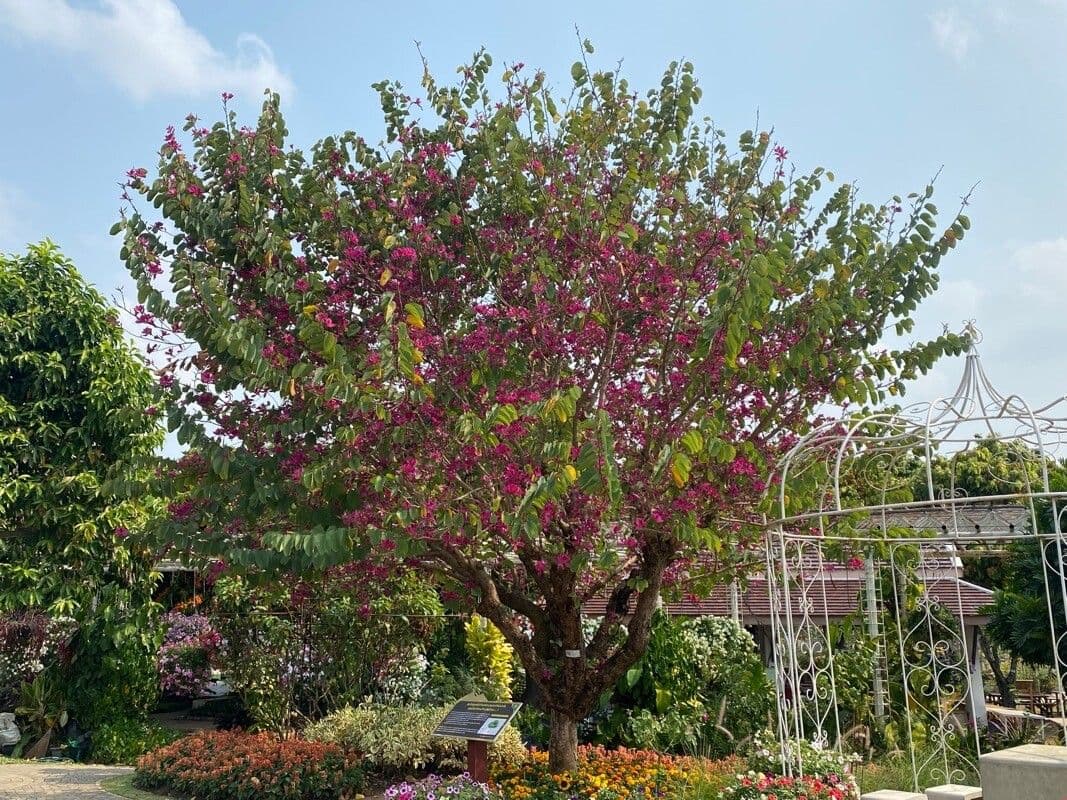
x=544, y=350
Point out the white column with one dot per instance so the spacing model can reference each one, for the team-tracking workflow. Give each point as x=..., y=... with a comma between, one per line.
x=976, y=686
x=872, y=631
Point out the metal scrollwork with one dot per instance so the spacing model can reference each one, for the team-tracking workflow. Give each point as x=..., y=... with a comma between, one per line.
x=871, y=583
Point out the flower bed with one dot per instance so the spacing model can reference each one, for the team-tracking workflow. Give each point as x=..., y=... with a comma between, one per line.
x=612, y=775
x=437, y=788
x=757, y=786
x=232, y=765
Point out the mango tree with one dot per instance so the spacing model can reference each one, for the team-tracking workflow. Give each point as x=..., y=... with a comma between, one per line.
x=78, y=420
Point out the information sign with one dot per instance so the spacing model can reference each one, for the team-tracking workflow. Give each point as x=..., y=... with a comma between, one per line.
x=477, y=719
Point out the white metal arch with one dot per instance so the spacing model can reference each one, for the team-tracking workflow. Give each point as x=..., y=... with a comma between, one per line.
x=921, y=614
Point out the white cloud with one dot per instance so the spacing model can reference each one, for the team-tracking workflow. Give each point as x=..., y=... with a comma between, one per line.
x=146, y=47
x=1043, y=270
x=953, y=34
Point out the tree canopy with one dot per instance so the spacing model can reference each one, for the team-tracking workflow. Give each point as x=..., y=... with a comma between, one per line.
x=75, y=415
x=545, y=349
x=1027, y=616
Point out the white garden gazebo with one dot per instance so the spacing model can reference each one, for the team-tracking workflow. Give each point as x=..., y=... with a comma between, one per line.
x=890, y=504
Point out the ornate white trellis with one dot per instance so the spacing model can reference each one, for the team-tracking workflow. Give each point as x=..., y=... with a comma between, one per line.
x=880, y=561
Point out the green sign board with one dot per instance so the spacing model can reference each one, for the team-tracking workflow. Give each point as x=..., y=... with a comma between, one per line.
x=477, y=719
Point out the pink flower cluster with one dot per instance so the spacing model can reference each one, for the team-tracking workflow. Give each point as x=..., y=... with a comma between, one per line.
x=189, y=648
x=758, y=786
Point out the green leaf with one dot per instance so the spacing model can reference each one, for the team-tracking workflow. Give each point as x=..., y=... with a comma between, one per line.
x=692, y=441
x=607, y=453
x=414, y=317
x=502, y=415
x=633, y=675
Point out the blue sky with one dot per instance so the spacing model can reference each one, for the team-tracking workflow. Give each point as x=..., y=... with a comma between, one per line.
x=883, y=94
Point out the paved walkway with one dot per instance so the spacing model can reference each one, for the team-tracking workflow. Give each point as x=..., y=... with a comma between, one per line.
x=55, y=781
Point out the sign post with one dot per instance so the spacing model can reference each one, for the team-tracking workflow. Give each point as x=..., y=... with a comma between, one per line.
x=480, y=722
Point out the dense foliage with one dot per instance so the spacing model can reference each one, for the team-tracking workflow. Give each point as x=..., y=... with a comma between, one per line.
x=112, y=673
x=700, y=688
x=126, y=739
x=546, y=349
x=77, y=421
x=1027, y=617
x=236, y=765
x=295, y=651
x=76, y=413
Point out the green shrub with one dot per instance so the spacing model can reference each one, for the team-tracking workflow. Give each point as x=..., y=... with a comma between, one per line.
x=700, y=688
x=533, y=726
x=491, y=658
x=765, y=755
x=397, y=739
x=291, y=660
x=113, y=674
x=125, y=740
x=232, y=765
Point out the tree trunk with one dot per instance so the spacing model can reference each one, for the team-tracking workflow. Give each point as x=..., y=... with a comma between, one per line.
x=562, y=743
x=1005, y=683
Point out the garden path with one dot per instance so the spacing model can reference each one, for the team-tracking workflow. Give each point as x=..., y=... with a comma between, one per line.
x=55, y=781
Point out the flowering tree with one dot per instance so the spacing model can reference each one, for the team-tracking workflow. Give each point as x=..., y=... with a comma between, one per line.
x=544, y=350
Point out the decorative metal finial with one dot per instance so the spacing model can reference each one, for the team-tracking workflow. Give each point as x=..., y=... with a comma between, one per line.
x=972, y=332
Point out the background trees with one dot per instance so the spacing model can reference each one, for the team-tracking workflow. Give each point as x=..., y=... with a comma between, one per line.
x=544, y=350
x=75, y=416
x=1028, y=604
x=1027, y=616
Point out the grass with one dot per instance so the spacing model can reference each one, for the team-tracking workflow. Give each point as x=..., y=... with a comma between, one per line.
x=122, y=786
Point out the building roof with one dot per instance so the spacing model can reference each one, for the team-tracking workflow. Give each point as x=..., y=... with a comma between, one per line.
x=964, y=517
x=829, y=596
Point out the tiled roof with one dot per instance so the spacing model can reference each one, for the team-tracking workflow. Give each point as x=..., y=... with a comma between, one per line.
x=835, y=597
x=937, y=561
x=965, y=516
